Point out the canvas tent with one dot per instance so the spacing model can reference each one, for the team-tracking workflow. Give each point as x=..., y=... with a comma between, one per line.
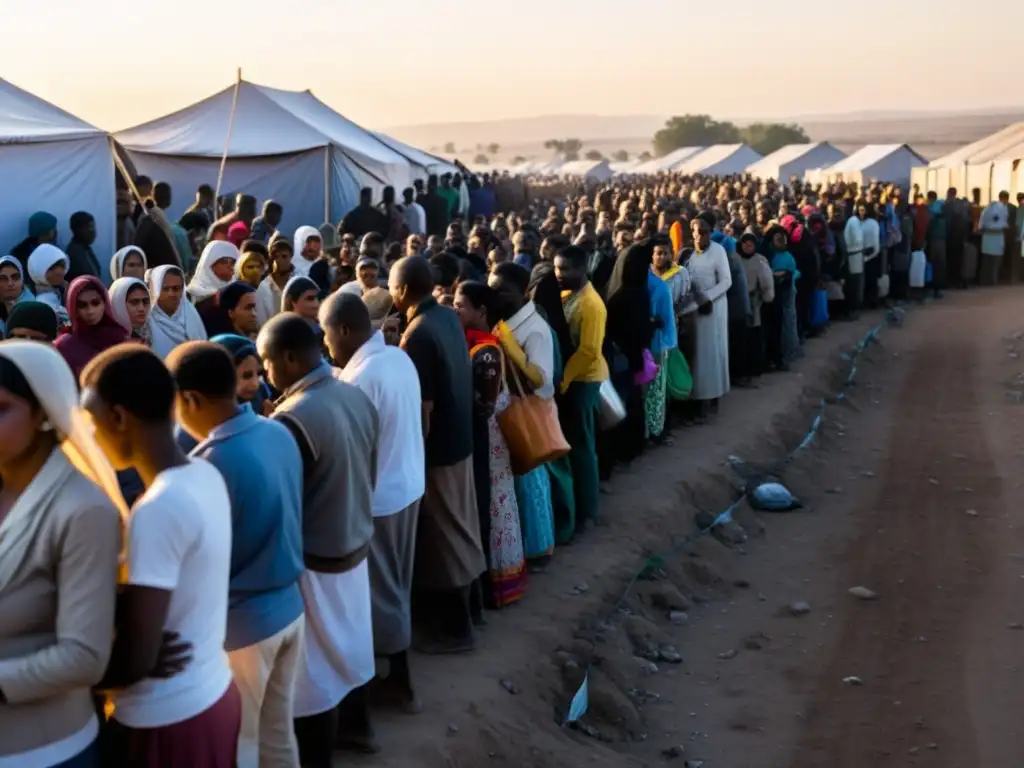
x=54, y=162
x=989, y=164
x=795, y=160
x=719, y=159
x=625, y=167
x=882, y=162
x=667, y=162
x=591, y=170
x=431, y=164
x=285, y=145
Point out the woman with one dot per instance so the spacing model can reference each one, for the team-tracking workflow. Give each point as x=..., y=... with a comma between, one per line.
x=59, y=542
x=128, y=262
x=250, y=268
x=34, y=321
x=306, y=250
x=12, y=288
x=47, y=267
x=496, y=497
x=628, y=334
x=302, y=296
x=130, y=303
x=93, y=325
x=663, y=340
x=173, y=320
x=761, y=285
x=781, y=339
x=216, y=269
x=252, y=392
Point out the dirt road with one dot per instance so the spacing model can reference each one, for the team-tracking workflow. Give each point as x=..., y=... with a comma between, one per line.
x=912, y=490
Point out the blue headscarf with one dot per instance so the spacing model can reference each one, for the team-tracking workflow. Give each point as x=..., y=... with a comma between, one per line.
x=41, y=222
x=725, y=241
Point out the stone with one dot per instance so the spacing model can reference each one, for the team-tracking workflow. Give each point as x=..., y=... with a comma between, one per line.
x=730, y=533
x=972, y=512
x=867, y=473
x=837, y=491
x=679, y=618
x=741, y=584
x=701, y=572
x=800, y=608
x=853, y=680
x=756, y=641
x=665, y=596
x=509, y=686
x=453, y=728
x=863, y=593
x=933, y=481
x=669, y=655
x=673, y=752
x=694, y=764
x=732, y=653
x=580, y=589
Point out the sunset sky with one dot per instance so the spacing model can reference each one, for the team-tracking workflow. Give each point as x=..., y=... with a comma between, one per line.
x=117, y=63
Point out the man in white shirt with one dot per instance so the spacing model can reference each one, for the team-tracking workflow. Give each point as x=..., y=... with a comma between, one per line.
x=388, y=377
x=992, y=225
x=179, y=558
x=414, y=216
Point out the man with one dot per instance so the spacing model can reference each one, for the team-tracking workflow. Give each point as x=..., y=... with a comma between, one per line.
x=414, y=245
x=992, y=226
x=450, y=195
x=853, y=236
x=711, y=279
x=178, y=543
x=413, y=214
x=125, y=226
x=364, y=217
x=337, y=430
x=436, y=207
x=203, y=203
x=268, y=295
x=263, y=227
x=387, y=376
x=367, y=270
x=81, y=257
x=261, y=465
x=524, y=244
x=144, y=186
x=582, y=377
x=938, y=236
x=238, y=300
x=395, y=230
x=449, y=554
x=958, y=230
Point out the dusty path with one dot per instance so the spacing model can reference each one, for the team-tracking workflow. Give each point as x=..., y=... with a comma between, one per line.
x=942, y=674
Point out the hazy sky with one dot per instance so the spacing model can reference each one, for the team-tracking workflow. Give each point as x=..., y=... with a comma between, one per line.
x=385, y=63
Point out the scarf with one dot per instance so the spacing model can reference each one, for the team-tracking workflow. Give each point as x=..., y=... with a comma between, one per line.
x=168, y=331
x=43, y=257
x=118, y=259
x=293, y=290
x=300, y=263
x=84, y=342
x=119, y=290
x=205, y=283
x=243, y=260
x=475, y=338
x=793, y=228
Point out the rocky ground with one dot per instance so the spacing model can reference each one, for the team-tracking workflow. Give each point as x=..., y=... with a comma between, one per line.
x=880, y=624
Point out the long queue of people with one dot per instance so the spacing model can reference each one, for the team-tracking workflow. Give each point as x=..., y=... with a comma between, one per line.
x=300, y=439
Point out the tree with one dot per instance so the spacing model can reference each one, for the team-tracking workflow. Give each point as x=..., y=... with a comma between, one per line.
x=481, y=160
x=694, y=131
x=493, y=147
x=593, y=154
x=450, y=147
x=768, y=137
x=518, y=159
x=621, y=156
x=644, y=156
x=569, y=149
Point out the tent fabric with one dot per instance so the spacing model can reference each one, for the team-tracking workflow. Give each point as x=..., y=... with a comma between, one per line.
x=593, y=170
x=795, y=160
x=719, y=159
x=1006, y=144
x=430, y=163
x=667, y=162
x=884, y=162
x=52, y=161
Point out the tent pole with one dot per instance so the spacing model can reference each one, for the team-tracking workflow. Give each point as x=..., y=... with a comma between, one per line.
x=227, y=139
x=327, y=183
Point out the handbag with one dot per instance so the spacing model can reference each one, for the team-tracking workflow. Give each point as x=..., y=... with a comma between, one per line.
x=531, y=430
x=610, y=410
x=648, y=373
x=678, y=379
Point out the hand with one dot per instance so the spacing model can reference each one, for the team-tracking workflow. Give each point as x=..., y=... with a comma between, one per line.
x=173, y=657
x=706, y=308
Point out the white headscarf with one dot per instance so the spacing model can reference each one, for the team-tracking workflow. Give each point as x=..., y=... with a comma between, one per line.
x=168, y=331
x=43, y=257
x=300, y=263
x=117, y=260
x=119, y=296
x=305, y=283
x=204, y=283
x=54, y=386
x=26, y=292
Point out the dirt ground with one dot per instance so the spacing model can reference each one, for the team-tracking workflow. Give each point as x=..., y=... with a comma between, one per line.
x=912, y=490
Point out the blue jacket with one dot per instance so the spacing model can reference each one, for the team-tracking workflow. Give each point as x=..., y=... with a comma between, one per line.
x=664, y=338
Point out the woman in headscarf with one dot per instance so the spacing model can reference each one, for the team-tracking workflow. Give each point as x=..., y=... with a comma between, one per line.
x=128, y=262
x=497, y=505
x=93, y=325
x=61, y=536
x=130, y=304
x=216, y=269
x=781, y=340
x=628, y=334
x=804, y=250
x=47, y=267
x=761, y=288
x=250, y=268
x=173, y=320
x=34, y=321
x=306, y=250
x=12, y=288
x=252, y=391
x=738, y=299
x=663, y=340
x=238, y=233
x=302, y=296
x=42, y=228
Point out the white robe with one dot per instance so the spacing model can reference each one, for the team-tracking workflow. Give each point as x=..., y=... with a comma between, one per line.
x=994, y=221
x=710, y=275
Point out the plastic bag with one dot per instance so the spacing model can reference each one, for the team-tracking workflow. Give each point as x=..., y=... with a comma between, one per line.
x=773, y=497
x=678, y=380
x=819, y=308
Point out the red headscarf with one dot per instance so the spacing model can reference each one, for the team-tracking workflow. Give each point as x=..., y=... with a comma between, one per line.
x=84, y=342
x=793, y=227
x=238, y=233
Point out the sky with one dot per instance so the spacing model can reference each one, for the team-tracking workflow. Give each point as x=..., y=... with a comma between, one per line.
x=406, y=62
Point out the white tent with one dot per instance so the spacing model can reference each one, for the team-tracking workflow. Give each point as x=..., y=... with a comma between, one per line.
x=285, y=145
x=431, y=164
x=591, y=170
x=667, y=162
x=881, y=162
x=989, y=164
x=54, y=162
x=794, y=160
x=625, y=167
x=719, y=160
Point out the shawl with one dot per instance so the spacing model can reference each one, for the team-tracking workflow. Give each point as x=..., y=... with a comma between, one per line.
x=168, y=331
x=300, y=263
x=118, y=259
x=119, y=295
x=793, y=228
x=26, y=292
x=42, y=258
x=84, y=342
x=205, y=283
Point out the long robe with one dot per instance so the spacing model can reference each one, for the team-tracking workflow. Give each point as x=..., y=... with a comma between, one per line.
x=711, y=276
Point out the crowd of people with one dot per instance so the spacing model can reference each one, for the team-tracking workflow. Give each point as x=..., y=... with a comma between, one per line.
x=243, y=480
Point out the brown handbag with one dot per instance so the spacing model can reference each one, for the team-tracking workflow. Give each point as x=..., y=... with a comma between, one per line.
x=531, y=430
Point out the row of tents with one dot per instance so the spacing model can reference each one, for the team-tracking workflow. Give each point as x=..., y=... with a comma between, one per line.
x=818, y=162
x=284, y=145
x=991, y=165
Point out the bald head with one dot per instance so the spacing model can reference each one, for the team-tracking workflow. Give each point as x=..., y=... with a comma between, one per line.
x=345, y=310
x=289, y=347
x=410, y=282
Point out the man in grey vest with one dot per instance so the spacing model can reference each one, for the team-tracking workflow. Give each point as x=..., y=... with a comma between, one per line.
x=337, y=429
